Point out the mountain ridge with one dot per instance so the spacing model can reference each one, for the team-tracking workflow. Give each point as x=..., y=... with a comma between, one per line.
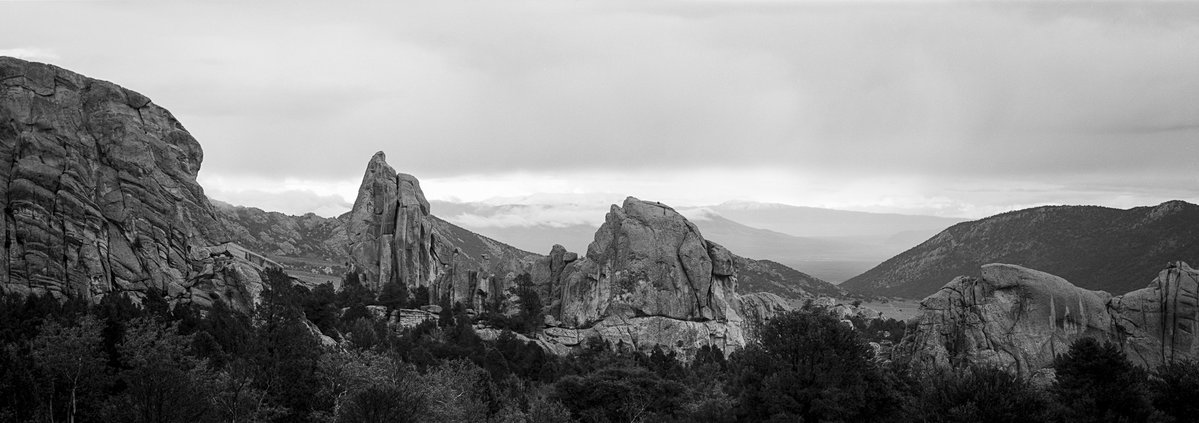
x=1103, y=248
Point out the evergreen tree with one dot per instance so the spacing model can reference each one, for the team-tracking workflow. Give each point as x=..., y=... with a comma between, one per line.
x=393, y=295
x=163, y=381
x=1097, y=383
x=73, y=363
x=1174, y=387
x=808, y=365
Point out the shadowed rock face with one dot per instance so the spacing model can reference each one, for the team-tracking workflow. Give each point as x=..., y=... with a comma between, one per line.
x=1020, y=319
x=99, y=191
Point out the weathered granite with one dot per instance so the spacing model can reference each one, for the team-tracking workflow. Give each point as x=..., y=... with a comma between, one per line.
x=1018, y=318
x=99, y=193
x=649, y=279
x=393, y=237
x=646, y=260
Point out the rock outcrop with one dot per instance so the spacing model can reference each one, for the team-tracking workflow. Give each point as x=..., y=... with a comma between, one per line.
x=1019, y=319
x=649, y=279
x=1097, y=247
x=646, y=260
x=98, y=187
x=393, y=237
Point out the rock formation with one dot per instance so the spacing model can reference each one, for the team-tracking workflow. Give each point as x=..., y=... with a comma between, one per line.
x=1018, y=318
x=1097, y=247
x=649, y=278
x=98, y=188
x=393, y=237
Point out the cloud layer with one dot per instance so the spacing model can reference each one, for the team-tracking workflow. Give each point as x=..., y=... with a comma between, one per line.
x=947, y=108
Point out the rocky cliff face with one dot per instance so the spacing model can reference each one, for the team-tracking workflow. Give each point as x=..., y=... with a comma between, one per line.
x=1097, y=247
x=1018, y=318
x=393, y=237
x=649, y=278
x=98, y=188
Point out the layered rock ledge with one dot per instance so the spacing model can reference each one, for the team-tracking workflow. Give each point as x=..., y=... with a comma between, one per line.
x=99, y=193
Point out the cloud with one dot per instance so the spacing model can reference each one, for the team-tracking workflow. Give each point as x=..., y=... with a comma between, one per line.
x=289, y=196
x=287, y=202
x=896, y=106
x=31, y=54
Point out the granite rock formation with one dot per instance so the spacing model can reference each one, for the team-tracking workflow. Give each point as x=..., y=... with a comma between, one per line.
x=1097, y=247
x=98, y=187
x=1019, y=319
x=393, y=237
x=649, y=278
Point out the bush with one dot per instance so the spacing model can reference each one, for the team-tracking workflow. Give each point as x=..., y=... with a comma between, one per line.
x=384, y=404
x=620, y=394
x=978, y=394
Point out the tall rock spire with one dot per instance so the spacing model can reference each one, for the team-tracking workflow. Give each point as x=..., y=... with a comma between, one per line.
x=391, y=238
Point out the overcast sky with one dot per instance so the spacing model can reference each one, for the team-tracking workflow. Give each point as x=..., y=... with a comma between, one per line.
x=955, y=109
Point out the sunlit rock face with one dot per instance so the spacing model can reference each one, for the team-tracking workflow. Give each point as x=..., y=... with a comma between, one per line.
x=650, y=279
x=1019, y=318
x=99, y=191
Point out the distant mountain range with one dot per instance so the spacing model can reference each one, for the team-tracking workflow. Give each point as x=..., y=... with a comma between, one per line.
x=1093, y=247
x=831, y=245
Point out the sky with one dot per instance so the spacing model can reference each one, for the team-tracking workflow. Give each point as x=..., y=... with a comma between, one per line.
x=961, y=109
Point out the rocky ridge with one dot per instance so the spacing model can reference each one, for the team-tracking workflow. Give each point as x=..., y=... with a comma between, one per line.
x=1019, y=319
x=99, y=194
x=278, y=234
x=1098, y=247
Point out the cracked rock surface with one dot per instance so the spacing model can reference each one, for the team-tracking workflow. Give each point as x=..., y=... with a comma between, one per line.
x=1019, y=319
x=650, y=279
x=392, y=236
x=98, y=191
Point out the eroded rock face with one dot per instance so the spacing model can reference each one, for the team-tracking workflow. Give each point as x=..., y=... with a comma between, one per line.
x=649, y=279
x=1160, y=323
x=1019, y=318
x=390, y=235
x=98, y=188
x=393, y=237
x=646, y=260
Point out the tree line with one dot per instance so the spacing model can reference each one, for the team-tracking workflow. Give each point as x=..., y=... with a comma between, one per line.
x=72, y=361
